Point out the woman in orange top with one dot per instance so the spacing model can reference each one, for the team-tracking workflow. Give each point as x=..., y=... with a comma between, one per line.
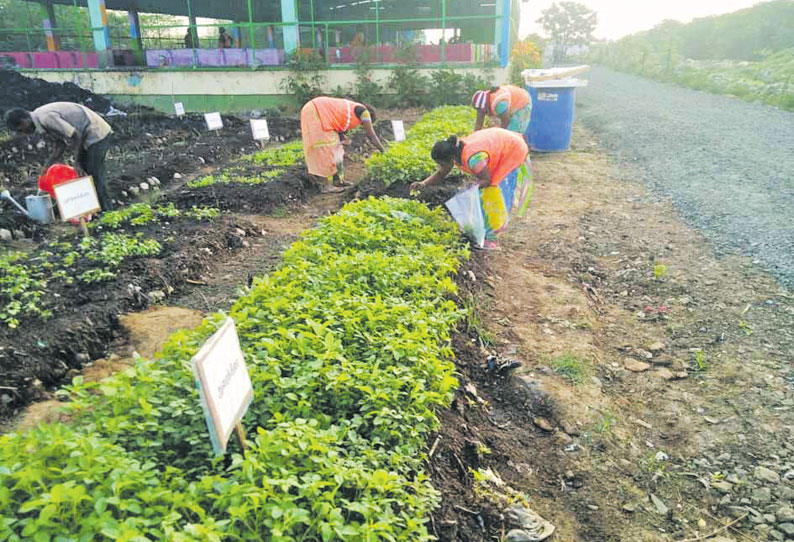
x=499, y=160
x=510, y=104
x=324, y=123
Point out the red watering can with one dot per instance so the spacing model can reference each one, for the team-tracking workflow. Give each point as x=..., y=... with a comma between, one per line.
x=55, y=175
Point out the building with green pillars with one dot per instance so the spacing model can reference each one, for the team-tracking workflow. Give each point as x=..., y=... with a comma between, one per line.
x=232, y=54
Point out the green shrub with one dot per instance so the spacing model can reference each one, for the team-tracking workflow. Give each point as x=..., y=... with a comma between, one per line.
x=409, y=160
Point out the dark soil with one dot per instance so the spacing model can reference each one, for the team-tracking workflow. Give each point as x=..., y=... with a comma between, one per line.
x=434, y=196
x=37, y=356
x=287, y=191
x=146, y=145
x=16, y=90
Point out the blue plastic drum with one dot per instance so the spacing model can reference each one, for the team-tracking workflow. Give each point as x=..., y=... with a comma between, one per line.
x=551, y=126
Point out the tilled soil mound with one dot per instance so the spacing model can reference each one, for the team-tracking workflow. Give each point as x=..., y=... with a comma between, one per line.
x=433, y=195
x=37, y=356
x=16, y=90
x=289, y=190
x=145, y=145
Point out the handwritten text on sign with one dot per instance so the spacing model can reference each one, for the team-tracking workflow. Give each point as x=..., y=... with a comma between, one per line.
x=214, y=121
x=179, y=107
x=223, y=383
x=259, y=129
x=76, y=198
x=399, y=130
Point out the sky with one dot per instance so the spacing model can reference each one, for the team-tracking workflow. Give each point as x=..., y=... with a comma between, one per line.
x=617, y=18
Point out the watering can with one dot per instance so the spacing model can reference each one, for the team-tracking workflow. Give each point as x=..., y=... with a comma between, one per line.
x=39, y=208
x=55, y=175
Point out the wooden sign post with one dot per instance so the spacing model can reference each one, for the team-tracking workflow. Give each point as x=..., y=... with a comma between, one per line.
x=77, y=199
x=213, y=120
x=224, y=386
x=399, y=130
x=260, y=131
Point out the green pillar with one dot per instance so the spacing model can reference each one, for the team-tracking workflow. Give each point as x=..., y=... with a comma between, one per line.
x=99, y=29
x=289, y=14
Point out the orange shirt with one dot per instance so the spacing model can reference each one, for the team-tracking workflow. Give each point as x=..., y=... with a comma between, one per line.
x=336, y=114
x=492, y=154
x=513, y=97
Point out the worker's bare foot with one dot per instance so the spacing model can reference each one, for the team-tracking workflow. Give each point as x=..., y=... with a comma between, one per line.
x=332, y=189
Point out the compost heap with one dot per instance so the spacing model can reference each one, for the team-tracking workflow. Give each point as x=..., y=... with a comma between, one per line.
x=16, y=90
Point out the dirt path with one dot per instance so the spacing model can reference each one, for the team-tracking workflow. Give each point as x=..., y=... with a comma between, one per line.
x=726, y=164
x=656, y=400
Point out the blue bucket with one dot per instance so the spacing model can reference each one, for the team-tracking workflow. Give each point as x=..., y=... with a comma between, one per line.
x=551, y=125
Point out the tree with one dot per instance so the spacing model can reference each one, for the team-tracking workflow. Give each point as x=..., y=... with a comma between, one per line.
x=568, y=24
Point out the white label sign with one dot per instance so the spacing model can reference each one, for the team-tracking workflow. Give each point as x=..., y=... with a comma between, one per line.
x=214, y=121
x=180, y=109
x=547, y=96
x=259, y=129
x=223, y=382
x=399, y=130
x=76, y=198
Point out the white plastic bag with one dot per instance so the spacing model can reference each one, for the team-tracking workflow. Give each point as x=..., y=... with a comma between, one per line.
x=465, y=208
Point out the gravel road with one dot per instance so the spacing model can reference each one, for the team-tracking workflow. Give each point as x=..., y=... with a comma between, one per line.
x=727, y=165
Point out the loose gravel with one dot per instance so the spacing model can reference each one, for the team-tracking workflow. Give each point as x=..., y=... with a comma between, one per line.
x=727, y=165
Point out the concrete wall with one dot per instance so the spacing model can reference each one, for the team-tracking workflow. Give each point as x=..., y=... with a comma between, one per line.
x=208, y=90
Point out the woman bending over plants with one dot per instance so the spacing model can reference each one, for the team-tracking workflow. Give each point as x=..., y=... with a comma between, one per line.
x=324, y=123
x=499, y=161
x=511, y=105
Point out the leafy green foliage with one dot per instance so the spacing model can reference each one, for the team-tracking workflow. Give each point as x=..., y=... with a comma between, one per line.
x=25, y=278
x=443, y=87
x=113, y=248
x=304, y=81
x=226, y=178
x=348, y=348
x=58, y=484
x=286, y=155
x=139, y=214
x=21, y=289
x=409, y=160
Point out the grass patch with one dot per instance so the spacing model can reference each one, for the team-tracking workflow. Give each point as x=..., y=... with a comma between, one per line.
x=474, y=323
x=571, y=368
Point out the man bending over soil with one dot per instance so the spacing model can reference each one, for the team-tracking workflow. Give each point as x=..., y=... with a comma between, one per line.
x=74, y=125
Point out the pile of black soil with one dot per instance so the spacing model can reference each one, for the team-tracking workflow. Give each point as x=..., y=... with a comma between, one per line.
x=16, y=90
x=432, y=195
x=36, y=357
x=287, y=191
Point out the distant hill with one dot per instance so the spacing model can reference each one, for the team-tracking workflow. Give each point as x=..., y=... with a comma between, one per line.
x=747, y=34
